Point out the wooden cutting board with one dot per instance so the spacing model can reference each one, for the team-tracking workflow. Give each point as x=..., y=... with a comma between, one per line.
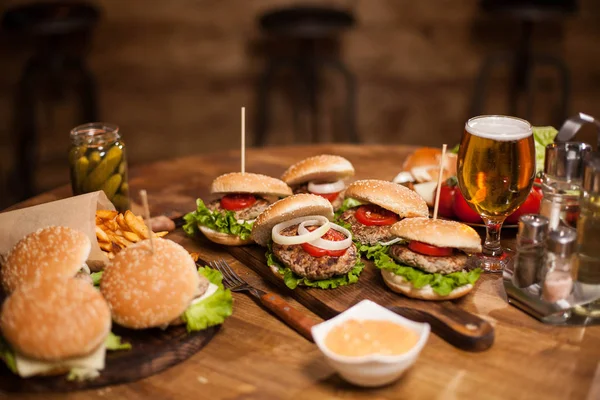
x=447, y=318
x=153, y=350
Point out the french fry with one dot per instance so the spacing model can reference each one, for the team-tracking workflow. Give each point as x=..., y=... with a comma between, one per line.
x=101, y=235
x=136, y=225
x=120, y=240
x=106, y=214
x=133, y=237
x=111, y=224
x=161, y=234
x=121, y=221
x=195, y=256
x=106, y=246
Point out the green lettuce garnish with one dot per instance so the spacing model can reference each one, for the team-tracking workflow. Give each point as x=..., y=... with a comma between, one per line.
x=96, y=278
x=224, y=222
x=7, y=355
x=293, y=281
x=214, y=309
x=542, y=136
x=113, y=342
x=370, y=252
x=441, y=284
x=347, y=204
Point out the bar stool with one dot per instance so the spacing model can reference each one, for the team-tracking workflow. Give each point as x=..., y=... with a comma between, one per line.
x=60, y=34
x=522, y=61
x=305, y=29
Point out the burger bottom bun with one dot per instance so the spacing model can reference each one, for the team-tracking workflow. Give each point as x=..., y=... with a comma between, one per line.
x=400, y=285
x=223, y=238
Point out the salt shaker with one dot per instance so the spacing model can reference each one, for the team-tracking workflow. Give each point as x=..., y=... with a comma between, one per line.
x=561, y=183
x=560, y=260
x=530, y=252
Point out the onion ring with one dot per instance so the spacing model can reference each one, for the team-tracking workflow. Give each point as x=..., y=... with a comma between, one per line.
x=310, y=236
x=326, y=188
x=391, y=242
x=329, y=244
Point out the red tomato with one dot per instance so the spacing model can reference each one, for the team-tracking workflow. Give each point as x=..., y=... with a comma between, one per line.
x=463, y=210
x=237, y=201
x=332, y=235
x=446, y=200
x=329, y=196
x=531, y=205
x=429, y=250
x=372, y=214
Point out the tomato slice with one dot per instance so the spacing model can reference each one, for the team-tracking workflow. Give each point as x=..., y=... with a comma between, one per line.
x=429, y=250
x=237, y=201
x=332, y=235
x=371, y=214
x=329, y=196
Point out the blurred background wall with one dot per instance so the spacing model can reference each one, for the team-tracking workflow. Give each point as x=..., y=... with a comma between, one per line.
x=173, y=75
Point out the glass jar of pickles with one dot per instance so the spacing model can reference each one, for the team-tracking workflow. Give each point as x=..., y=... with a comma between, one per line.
x=98, y=162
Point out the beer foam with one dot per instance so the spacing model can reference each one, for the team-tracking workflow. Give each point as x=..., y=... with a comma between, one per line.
x=499, y=127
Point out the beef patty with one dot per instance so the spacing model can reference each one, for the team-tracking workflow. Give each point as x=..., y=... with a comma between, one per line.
x=252, y=212
x=303, y=264
x=443, y=265
x=366, y=234
x=337, y=203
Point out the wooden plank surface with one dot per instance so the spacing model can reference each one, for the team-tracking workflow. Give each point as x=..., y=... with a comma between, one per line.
x=255, y=356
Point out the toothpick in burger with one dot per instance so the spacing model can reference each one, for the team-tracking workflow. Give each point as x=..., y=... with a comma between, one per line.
x=304, y=247
x=322, y=175
x=430, y=263
x=242, y=197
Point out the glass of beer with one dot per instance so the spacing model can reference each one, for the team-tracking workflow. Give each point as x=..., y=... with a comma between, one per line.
x=496, y=168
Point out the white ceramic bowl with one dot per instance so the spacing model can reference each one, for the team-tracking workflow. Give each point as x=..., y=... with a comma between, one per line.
x=371, y=370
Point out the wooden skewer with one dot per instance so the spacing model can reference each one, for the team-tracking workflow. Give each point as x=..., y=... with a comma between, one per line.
x=243, y=139
x=439, y=183
x=144, y=197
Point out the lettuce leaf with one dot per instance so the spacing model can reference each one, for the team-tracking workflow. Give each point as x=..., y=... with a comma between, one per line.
x=7, y=355
x=96, y=278
x=293, y=281
x=542, y=136
x=370, y=252
x=113, y=342
x=441, y=284
x=347, y=204
x=214, y=309
x=224, y=222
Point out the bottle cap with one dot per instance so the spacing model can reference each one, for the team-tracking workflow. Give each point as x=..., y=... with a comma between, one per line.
x=533, y=228
x=562, y=241
x=591, y=173
x=564, y=160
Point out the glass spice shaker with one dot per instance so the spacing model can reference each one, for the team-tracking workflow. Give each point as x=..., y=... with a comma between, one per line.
x=97, y=160
x=530, y=252
x=560, y=260
x=561, y=182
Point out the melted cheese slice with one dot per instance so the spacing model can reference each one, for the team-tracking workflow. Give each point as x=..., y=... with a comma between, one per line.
x=27, y=367
x=210, y=290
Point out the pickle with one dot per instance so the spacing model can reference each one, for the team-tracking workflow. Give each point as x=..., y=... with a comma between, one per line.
x=122, y=167
x=111, y=186
x=76, y=153
x=103, y=170
x=81, y=168
x=124, y=188
x=121, y=202
x=95, y=159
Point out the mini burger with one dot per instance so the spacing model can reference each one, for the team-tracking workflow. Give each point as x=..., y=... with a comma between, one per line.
x=305, y=247
x=322, y=175
x=159, y=286
x=430, y=262
x=46, y=254
x=371, y=208
x=242, y=197
x=55, y=327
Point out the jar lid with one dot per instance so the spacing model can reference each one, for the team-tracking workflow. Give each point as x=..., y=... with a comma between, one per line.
x=562, y=241
x=565, y=160
x=533, y=228
x=591, y=173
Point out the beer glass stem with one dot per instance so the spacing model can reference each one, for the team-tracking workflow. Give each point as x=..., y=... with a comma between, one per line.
x=492, y=246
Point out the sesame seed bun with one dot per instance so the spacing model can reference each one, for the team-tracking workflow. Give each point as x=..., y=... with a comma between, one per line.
x=326, y=168
x=225, y=239
x=237, y=182
x=298, y=205
x=439, y=232
x=399, y=285
x=49, y=253
x=389, y=195
x=57, y=320
x=146, y=289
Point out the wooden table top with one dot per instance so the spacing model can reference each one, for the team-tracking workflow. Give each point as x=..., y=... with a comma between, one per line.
x=255, y=356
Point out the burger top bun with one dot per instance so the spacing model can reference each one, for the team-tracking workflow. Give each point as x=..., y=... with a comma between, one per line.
x=49, y=253
x=298, y=205
x=428, y=160
x=389, y=195
x=55, y=320
x=238, y=182
x=225, y=239
x=439, y=232
x=326, y=168
x=149, y=289
x=399, y=285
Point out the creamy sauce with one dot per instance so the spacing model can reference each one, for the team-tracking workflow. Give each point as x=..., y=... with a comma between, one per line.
x=357, y=338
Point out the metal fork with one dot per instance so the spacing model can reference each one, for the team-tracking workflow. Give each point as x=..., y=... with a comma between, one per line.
x=294, y=318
